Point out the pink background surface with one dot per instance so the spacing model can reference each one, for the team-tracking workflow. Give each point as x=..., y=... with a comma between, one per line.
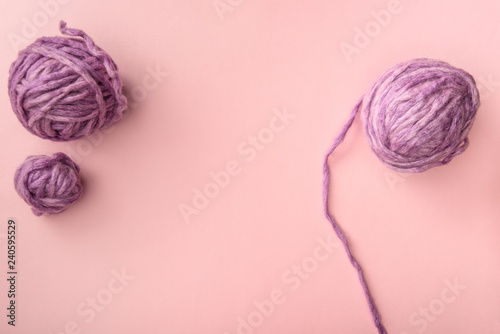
x=262, y=237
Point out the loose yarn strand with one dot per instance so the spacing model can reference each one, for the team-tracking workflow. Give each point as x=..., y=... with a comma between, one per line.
x=338, y=230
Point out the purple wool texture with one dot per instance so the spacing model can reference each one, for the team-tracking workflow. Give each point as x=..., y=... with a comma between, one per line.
x=48, y=184
x=416, y=116
x=65, y=88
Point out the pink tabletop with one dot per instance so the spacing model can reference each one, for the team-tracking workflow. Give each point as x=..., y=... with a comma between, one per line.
x=202, y=208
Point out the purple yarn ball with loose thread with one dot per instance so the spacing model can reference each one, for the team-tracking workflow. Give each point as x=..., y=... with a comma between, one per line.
x=65, y=88
x=416, y=116
x=48, y=184
x=419, y=113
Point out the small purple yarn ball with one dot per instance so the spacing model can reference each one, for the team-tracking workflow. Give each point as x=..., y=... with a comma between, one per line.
x=48, y=184
x=419, y=113
x=65, y=88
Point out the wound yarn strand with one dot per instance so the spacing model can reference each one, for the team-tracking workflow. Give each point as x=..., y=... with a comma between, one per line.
x=49, y=184
x=65, y=88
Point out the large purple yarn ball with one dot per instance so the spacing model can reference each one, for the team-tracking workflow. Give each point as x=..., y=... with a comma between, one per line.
x=48, y=184
x=65, y=88
x=419, y=113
